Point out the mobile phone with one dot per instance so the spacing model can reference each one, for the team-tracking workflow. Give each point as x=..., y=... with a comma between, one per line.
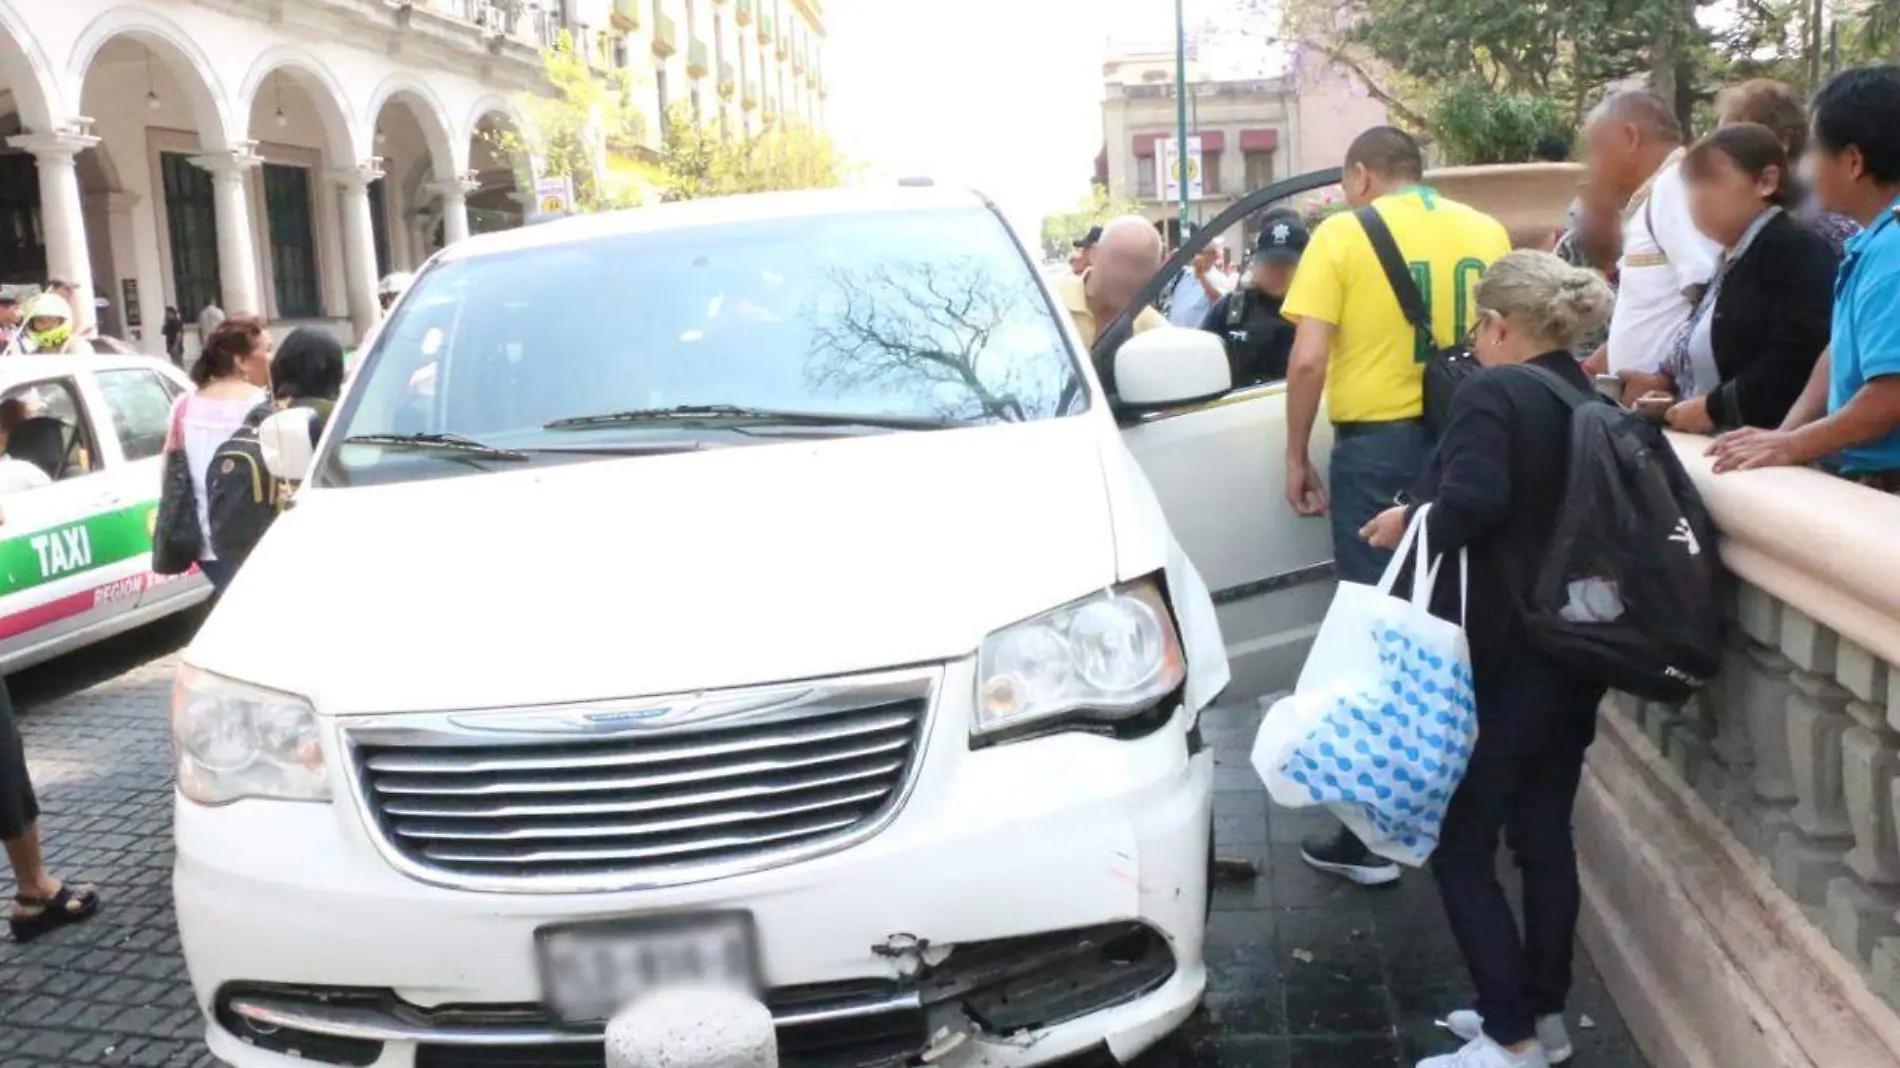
x=1610, y=386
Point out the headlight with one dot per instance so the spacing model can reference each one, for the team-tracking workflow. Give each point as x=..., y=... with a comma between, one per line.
x=233, y=740
x=1105, y=657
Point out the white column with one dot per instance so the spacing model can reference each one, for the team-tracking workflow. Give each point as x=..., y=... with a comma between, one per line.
x=359, y=242
x=116, y=208
x=62, y=214
x=454, y=194
x=237, y=247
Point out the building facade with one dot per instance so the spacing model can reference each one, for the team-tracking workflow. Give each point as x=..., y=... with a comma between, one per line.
x=281, y=155
x=1253, y=132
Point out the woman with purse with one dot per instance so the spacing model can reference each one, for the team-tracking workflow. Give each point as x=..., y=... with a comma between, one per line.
x=1751, y=343
x=1495, y=491
x=231, y=375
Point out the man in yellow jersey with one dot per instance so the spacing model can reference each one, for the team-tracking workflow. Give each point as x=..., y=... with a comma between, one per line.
x=1354, y=344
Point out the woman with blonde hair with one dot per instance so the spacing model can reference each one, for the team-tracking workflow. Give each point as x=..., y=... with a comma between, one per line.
x=1496, y=488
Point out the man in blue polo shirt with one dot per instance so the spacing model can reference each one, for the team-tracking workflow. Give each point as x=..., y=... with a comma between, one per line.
x=1849, y=416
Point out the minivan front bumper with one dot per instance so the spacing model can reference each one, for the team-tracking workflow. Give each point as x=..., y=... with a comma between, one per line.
x=1031, y=900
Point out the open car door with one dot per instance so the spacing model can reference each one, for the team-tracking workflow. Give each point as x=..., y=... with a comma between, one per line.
x=1218, y=469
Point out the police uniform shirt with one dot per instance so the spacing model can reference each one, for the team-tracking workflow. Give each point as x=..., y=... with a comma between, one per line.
x=1259, y=342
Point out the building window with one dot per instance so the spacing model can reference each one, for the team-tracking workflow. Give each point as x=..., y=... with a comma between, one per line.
x=293, y=246
x=191, y=218
x=22, y=247
x=379, y=222
x=1259, y=169
x=1145, y=167
x=1210, y=173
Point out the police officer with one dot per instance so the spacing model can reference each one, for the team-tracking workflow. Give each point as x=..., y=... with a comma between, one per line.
x=1248, y=319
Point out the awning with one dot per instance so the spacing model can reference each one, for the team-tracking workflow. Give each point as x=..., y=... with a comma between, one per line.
x=1259, y=140
x=1211, y=141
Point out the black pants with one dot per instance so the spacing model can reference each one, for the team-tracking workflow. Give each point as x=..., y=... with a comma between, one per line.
x=1534, y=723
x=19, y=809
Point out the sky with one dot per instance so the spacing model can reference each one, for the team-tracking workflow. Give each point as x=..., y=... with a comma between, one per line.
x=1001, y=95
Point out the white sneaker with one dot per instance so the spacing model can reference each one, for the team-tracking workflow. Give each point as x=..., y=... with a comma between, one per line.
x=1481, y=1052
x=1467, y=1024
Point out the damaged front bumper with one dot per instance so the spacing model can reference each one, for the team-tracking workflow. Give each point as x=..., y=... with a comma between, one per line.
x=1031, y=901
x=1003, y=1002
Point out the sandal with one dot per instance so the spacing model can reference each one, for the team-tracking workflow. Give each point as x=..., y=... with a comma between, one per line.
x=70, y=905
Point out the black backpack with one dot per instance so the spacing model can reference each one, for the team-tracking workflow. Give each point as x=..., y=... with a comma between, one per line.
x=1629, y=590
x=1445, y=368
x=241, y=495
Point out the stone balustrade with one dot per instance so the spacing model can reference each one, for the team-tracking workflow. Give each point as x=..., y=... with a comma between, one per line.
x=1740, y=854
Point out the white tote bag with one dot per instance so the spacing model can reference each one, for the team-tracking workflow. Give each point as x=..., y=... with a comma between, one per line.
x=1382, y=722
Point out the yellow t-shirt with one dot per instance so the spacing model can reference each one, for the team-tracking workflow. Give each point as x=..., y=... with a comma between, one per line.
x=1375, y=374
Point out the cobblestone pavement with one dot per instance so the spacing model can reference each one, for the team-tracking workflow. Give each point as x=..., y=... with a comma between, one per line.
x=1306, y=972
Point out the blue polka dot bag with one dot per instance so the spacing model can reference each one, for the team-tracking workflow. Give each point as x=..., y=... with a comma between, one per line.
x=1382, y=722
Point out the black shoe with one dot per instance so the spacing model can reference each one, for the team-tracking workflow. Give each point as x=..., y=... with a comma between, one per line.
x=1343, y=854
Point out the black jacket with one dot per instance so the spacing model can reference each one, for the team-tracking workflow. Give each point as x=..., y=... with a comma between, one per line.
x=1259, y=340
x=1495, y=486
x=1770, y=323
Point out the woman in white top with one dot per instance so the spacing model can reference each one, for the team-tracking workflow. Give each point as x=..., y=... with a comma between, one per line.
x=232, y=375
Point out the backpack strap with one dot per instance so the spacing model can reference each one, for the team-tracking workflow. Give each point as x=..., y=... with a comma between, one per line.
x=1397, y=274
x=1572, y=397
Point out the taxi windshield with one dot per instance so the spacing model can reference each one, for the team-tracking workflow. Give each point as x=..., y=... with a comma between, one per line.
x=706, y=337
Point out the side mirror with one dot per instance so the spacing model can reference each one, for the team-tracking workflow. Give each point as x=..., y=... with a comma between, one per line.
x=284, y=439
x=1171, y=365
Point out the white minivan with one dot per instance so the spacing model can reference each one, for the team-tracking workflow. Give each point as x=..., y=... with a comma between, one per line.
x=760, y=591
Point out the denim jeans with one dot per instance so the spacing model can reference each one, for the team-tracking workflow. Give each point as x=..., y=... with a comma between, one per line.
x=220, y=572
x=1371, y=467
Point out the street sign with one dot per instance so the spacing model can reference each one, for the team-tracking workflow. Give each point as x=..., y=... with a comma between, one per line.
x=1168, y=169
x=554, y=196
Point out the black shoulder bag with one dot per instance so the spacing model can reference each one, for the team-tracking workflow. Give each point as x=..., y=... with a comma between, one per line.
x=177, y=539
x=1447, y=368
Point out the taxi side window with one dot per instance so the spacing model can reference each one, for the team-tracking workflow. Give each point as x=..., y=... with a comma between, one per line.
x=46, y=426
x=140, y=404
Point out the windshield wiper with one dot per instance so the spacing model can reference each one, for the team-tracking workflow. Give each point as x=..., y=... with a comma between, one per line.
x=689, y=413
x=456, y=443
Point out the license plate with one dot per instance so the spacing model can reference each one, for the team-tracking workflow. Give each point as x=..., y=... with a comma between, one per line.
x=591, y=971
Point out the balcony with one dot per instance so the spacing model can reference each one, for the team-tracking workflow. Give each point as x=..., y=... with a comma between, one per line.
x=743, y=13
x=728, y=81
x=627, y=14
x=698, y=59
x=749, y=99
x=765, y=29
x=666, y=36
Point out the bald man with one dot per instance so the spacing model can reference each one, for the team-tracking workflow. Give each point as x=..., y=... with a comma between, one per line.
x=1126, y=257
x=1635, y=155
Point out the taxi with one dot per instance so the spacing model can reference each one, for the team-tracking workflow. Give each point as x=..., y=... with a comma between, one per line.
x=76, y=547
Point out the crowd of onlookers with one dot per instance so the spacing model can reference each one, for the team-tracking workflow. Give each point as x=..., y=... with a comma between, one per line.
x=1745, y=284
x=1724, y=252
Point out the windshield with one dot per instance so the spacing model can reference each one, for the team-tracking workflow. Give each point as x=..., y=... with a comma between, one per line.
x=705, y=337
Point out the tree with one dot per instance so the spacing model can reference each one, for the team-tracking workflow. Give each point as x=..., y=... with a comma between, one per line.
x=1478, y=124
x=702, y=160
x=1414, y=55
x=1060, y=230
x=573, y=131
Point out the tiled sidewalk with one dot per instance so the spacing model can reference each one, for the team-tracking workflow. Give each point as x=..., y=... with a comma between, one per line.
x=1308, y=971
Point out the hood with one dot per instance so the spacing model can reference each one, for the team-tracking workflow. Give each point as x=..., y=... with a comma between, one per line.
x=666, y=574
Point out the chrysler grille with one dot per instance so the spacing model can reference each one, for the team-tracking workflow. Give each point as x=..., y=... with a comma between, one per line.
x=644, y=806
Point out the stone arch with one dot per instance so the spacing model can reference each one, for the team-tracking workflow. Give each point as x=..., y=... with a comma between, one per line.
x=28, y=76
x=172, y=46
x=484, y=106
x=323, y=89
x=429, y=113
